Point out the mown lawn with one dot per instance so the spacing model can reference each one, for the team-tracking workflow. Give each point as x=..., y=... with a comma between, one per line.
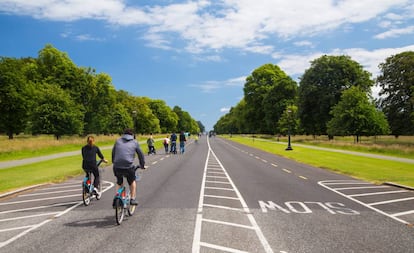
x=369, y=169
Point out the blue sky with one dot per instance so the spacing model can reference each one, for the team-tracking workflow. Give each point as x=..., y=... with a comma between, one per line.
x=197, y=54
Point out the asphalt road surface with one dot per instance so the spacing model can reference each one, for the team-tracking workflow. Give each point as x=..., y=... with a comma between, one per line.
x=218, y=196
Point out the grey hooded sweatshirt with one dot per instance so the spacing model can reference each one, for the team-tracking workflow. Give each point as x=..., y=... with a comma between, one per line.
x=123, y=153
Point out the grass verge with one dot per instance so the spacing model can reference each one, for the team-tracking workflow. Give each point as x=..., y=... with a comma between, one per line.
x=51, y=171
x=369, y=169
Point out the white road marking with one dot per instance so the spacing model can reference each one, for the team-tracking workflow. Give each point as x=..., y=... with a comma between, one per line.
x=325, y=183
x=362, y=187
x=376, y=193
x=390, y=201
x=197, y=242
x=54, y=215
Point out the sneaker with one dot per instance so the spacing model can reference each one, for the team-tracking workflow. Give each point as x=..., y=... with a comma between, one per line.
x=96, y=191
x=133, y=202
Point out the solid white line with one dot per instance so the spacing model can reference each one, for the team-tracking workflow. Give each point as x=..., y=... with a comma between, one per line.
x=34, y=200
x=62, y=187
x=376, y=193
x=225, y=207
x=216, y=177
x=46, y=193
x=29, y=216
x=214, y=169
x=2, y=244
x=363, y=187
x=228, y=223
x=321, y=183
x=259, y=232
x=212, y=172
x=39, y=207
x=390, y=201
x=13, y=229
x=346, y=182
x=221, y=248
x=219, y=188
x=217, y=182
x=220, y=197
x=403, y=213
x=197, y=229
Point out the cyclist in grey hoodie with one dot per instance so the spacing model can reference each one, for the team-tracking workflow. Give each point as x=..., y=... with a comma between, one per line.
x=123, y=155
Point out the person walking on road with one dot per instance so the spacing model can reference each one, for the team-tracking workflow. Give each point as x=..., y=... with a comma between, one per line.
x=166, y=143
x=151, y=144
x=182, y=142
x=173, y=148
x=89, y=164
x=123, y=155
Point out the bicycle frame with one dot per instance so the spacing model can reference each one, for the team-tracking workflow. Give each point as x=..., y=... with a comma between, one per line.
x=88, y=188
x=122, y=204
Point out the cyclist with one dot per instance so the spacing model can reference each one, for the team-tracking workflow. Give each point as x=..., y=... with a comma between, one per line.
x=166, y=143
x=123, y=155
x=89, y=153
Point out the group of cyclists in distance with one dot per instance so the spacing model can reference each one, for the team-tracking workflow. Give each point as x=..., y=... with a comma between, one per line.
x=123, y=156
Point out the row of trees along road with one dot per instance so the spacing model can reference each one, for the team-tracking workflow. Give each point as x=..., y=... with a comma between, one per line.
x=333, y=98
x=51, y=95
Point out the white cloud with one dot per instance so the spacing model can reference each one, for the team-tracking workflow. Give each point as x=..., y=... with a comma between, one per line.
x=225, y=109
x=369, y=59
x=211, y=86
x=395, y=32
x=212, y=25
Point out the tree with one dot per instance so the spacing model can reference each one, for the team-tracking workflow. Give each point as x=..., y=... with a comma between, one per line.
x=262, y=81
x=16, y=94
x=397, y=92
x=289, y=121
x=356, y=115
x=56, y=113
x=120, y=119
x=321, y=87
x=146, y=121
x=282, y=94
x=99, y=108
x=167, y=117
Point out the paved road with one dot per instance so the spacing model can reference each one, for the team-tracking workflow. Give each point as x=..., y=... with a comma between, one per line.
x=218, y=197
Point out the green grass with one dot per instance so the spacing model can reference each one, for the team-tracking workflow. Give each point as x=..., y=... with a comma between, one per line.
x=369, y=169
x=51, y=171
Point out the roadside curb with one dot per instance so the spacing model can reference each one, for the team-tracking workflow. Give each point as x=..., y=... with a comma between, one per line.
x=399, y=185
x=6, y=194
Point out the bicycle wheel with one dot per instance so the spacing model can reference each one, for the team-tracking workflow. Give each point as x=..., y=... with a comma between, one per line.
x=131, y=209
x=85, y=195
x=119, y=211
x=98, y=196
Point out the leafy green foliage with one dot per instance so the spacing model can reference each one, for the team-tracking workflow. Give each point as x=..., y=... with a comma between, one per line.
x=397, y=92
x=52, y=95
x=356, y=115
x=321, y=87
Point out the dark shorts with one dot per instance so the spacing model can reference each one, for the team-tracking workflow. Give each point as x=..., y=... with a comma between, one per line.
x=128, y=173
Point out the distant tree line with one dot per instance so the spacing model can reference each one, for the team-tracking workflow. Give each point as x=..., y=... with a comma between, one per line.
x=333, y=98
x=51, y=95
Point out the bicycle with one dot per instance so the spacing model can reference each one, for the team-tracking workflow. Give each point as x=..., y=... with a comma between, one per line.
x=88, y=188
x=122, y=199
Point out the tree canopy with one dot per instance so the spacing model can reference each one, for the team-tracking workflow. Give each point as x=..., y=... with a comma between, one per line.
x=51, y=95
x=321, y=87
x=397, y=92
